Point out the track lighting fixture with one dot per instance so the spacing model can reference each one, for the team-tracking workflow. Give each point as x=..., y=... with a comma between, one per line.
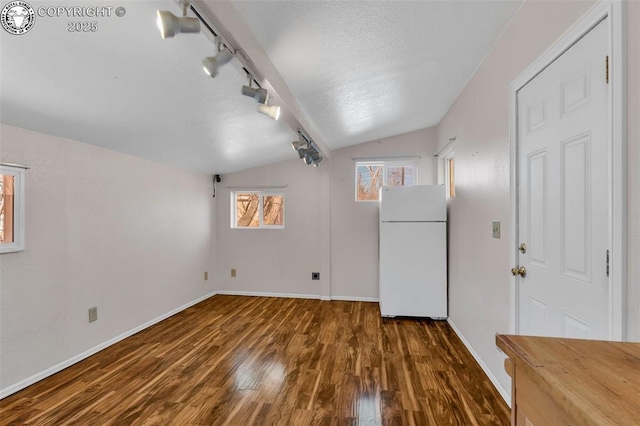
x=212, y=64
x=271, y=111
x=260, y=95
x=170, y=24
x=307, y=150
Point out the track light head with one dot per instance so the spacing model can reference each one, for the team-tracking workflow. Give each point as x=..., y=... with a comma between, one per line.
x=297, y=145
x=271, y=111
x=316, y=162
x=312, y=157
x=170, y=24
x=212, y=64
x=260, y=95
x=304, y=152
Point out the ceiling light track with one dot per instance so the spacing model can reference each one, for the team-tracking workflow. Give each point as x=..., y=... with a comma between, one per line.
x=171, y=25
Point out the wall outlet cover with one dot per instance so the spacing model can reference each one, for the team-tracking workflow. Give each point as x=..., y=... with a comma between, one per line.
x=206, y=275
x=315, y=275
x=233, y=273
x=93, y=314
x=495, y=226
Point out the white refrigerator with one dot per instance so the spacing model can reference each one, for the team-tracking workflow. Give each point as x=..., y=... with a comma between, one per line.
x=413, y=251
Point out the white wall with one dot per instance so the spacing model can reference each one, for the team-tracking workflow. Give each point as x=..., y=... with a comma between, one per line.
x=281, y=261
x=277, y=261
x=479, y=118
x=354, y=225
x=104, y=229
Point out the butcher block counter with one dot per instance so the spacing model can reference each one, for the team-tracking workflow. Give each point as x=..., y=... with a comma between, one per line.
x=571, y=381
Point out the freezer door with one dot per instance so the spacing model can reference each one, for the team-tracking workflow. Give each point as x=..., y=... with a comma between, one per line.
x=421, y=203
x=413, y=269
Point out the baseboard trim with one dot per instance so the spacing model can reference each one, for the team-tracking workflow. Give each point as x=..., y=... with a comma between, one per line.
x=355, y=298
x=86, y=354
x=297, y=296
x=265, y=294
x=501, y=390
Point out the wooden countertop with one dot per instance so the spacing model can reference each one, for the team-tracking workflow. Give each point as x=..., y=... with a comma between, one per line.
x=596, y=382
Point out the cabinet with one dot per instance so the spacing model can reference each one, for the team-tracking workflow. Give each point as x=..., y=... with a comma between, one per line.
x=557, y=381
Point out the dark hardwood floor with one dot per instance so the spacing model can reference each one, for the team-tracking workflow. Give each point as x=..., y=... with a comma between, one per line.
x=249, y=360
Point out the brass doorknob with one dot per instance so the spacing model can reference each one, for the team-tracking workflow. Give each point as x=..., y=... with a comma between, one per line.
x=522, y=271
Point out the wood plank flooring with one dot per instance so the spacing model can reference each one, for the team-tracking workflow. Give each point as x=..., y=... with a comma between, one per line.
x=260, y=361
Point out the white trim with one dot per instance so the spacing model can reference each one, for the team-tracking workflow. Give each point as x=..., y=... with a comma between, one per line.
x=298, y=296
x=19, y=166
x=618, y=202
x=506, y=395
x=616, y=11
x=266, y=294
x=86, y=354
x=355, y=299
x=443, y=148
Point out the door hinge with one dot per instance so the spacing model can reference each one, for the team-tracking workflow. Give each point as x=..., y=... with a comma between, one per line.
x=606, y=69
x=607, y=262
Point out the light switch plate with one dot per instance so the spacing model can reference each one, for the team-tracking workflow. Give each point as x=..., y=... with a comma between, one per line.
x=496, y=229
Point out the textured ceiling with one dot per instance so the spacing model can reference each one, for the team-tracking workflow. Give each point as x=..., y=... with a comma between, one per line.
x=353, y=71
x=364, y=70
x=124, y=88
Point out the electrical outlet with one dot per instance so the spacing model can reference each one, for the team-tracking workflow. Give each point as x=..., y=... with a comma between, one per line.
x=315, y=275
x=233, y=272
x=206, y=275
x=496, y=229
x=93, y=314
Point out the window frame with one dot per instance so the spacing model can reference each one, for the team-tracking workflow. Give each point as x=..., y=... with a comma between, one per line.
x=447, y=153
x=385, y=165
x=18, y=174
x=261, y=195
x=447, y=174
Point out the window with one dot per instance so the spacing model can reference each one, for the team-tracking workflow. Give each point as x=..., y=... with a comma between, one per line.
x=450, y=176
x=11, y=209
x=370, y=176
x=257, y=209
x=446, y=168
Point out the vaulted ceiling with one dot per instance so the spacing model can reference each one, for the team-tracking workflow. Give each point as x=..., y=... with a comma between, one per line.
x=346, y=72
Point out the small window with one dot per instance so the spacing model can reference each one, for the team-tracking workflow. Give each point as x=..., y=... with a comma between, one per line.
x=451, y=177
x=370, y=176
x=257, y=209
x=11, y=209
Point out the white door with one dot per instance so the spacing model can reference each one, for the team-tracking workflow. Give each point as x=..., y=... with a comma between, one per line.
x=563, y=151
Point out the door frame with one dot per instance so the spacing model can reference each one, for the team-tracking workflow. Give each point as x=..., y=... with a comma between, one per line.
x=615, y=10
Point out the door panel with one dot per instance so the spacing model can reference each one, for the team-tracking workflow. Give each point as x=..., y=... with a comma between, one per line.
x=413, y=269
x=576, y=206
x=563, y=176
